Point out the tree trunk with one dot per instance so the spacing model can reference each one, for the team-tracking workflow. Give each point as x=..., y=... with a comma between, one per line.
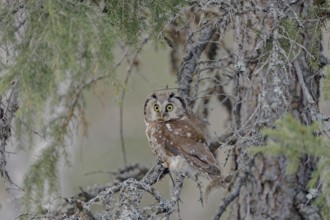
x=268, y=88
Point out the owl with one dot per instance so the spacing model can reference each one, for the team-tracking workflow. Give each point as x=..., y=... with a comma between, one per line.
x=177, y=137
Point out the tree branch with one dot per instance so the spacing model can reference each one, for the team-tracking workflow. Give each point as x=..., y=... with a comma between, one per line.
x=304, y=89
x=131, y=192
x=168, y=206
x=190, y=60
x=231, y=196
x=7, y=112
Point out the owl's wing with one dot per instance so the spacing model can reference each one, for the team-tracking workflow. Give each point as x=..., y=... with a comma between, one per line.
x=190, y=143
x=196, y=153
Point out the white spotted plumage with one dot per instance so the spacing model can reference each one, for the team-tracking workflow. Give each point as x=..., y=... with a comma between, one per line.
x=176, y=136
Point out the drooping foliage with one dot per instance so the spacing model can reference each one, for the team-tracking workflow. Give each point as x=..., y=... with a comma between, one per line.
x=55, y=50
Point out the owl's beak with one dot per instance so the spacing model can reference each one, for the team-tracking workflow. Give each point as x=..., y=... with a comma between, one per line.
x=161, y=118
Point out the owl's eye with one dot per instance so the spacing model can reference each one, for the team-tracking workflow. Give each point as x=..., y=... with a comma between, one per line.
x=156, y=108
x=169, y=107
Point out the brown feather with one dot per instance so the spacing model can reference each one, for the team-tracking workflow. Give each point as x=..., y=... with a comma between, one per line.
x=178, y=140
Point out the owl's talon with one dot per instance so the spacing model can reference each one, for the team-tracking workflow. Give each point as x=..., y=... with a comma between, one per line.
x=165, y=165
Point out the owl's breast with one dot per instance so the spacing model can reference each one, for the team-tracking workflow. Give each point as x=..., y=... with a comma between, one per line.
x=157, y=138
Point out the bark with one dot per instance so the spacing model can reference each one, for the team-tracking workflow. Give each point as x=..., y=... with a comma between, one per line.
x=283, y=86
x=270, y=66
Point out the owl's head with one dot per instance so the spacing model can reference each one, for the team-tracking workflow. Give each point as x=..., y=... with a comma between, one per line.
x=164, y=106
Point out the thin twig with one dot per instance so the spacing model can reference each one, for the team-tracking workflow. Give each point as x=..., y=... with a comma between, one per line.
x=234, y=192
x=122, y=97
x=7, y=112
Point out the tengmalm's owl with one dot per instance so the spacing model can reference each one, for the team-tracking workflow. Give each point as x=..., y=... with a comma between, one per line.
x=176, y=136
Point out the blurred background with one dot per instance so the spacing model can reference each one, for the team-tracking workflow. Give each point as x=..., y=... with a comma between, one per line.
x=101, y=149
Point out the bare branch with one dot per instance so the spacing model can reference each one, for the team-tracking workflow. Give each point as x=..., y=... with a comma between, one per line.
x=190, y=60
x=194, y=50
x=234, y=192
x=168, y=206
x=306, y=93
x=8, y=108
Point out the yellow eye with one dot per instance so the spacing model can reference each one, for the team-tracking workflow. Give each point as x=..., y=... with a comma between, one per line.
x=156, y=108
x=169, y=107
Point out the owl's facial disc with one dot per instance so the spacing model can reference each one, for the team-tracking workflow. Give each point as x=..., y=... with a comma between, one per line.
x=162, y=107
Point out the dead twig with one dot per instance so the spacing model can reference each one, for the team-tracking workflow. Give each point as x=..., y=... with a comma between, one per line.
x=8, y=108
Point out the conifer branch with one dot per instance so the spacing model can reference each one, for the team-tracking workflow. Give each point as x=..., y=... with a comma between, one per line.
x=8, y=107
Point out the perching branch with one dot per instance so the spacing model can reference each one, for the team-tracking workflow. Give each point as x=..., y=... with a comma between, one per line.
x=130, y=195
x=127, y=205
x=168, y=206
